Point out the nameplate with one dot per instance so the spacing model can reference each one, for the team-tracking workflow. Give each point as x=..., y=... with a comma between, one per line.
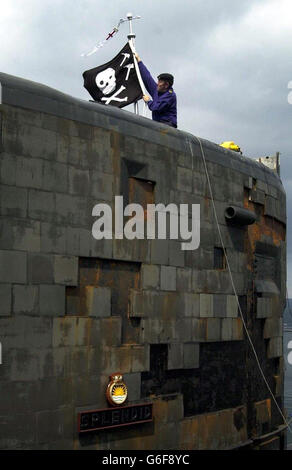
x=108, y=418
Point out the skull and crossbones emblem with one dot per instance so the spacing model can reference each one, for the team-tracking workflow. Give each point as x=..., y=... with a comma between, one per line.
x=106, y=81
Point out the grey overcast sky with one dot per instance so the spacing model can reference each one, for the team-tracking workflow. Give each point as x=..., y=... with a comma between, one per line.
x=231, y=60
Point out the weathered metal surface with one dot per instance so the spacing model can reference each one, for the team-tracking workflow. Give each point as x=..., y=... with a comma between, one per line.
x=74, y=309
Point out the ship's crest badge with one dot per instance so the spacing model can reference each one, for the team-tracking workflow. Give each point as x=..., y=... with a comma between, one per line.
x=117, y=392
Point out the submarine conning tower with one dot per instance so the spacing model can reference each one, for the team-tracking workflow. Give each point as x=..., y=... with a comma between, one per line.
x=75, y=310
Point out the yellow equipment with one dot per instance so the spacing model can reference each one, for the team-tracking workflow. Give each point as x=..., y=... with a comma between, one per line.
x=231, y=146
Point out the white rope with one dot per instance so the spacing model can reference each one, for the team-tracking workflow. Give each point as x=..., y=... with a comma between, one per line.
x=141, y=83
x=232, y=282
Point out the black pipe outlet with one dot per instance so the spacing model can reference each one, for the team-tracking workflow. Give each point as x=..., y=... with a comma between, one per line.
x=239, y=216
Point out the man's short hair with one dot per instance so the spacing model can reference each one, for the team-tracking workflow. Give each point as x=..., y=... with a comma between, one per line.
x=167, y=77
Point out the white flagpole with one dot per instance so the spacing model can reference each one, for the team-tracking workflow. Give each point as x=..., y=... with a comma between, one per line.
x=131, y=38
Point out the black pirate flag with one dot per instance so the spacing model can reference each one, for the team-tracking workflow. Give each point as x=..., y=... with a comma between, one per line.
x=115, y=83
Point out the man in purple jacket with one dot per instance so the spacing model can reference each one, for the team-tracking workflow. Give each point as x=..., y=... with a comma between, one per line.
x=163, y=102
